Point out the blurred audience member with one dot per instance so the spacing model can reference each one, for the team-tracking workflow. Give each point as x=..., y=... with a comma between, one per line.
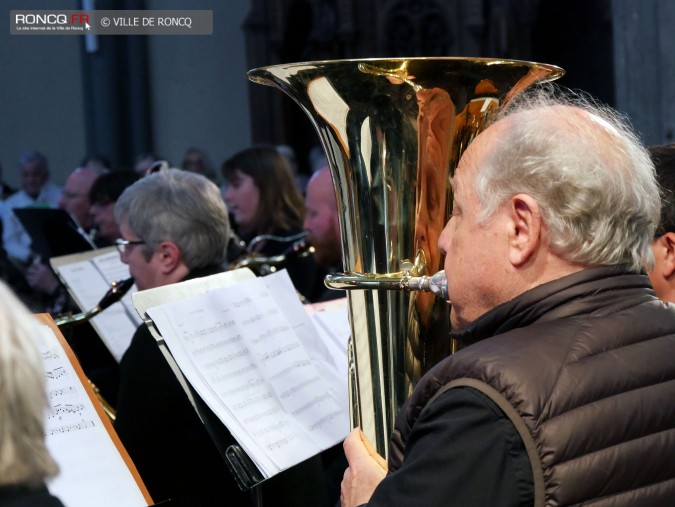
x=25, y=462
x=36, y=191
x=103, y=194
x=196, y=161
x=663, y=246
x=5, y=189
x=268, y=209
x=5, y=192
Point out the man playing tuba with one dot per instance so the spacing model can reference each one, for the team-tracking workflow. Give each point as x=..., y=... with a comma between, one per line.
x=564, y=394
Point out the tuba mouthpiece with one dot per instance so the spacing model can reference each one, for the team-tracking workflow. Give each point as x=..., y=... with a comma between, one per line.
x=436, y=283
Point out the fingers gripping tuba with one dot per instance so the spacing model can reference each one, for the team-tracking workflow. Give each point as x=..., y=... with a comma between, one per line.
x=393, y=131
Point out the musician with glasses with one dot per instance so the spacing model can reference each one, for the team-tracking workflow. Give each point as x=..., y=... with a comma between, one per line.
x=174, y=226
x=74, y=200
x=564, y=392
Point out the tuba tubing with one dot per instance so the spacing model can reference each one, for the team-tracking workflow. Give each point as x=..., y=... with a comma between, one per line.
x=264, y=265
x=437, y=284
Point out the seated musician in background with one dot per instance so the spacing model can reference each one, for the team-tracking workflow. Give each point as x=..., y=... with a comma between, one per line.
x=323, y=226
x=264, y=201
x=25, y=462
x=563, y=394
x=75, y=200
x=103, y=194
x=174, y=226
x=663, y=246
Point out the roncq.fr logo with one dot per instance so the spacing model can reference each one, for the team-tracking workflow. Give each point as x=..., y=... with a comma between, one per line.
x=51, y=19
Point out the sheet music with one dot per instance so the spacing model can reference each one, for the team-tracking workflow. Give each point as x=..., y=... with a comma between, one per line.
x=113, y=270
x=254, y=356
x=331, y=319
x=92, y=472
x=88, y=278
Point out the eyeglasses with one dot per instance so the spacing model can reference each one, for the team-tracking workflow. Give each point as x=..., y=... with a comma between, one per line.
x=122, y=244
x=159, y=165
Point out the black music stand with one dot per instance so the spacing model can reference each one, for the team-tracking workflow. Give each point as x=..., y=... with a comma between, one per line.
x=246, y=474
x=53, y=232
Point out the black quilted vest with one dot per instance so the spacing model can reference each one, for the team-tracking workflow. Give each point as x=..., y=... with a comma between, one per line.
x=584, y=367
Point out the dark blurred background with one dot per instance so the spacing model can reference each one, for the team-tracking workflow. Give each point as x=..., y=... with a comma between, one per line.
x=119, y=96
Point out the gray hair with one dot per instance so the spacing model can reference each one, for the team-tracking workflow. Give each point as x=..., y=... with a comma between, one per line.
x=587, y=169
x=28, y=157
x=179, y=206
x=24, y=457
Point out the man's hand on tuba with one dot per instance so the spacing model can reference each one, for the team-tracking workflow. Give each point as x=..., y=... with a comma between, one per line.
x=366, y=470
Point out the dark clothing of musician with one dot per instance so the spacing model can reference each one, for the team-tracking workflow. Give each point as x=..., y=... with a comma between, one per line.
x=557, y=387
x=24, y=496
x=98, y=363
x=171, y=447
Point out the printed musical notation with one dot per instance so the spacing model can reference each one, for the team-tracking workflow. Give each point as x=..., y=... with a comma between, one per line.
x=92, y=471
x=56, y=373
x=49, y=354
x=70, y=409
x=61, y=391
x=67, y=428
x=67, y=409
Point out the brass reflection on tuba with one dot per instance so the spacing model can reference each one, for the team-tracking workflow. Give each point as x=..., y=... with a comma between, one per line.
x=393, y=131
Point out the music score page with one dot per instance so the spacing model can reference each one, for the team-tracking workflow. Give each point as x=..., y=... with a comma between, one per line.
x=253, y=354
x=88, y=277
x=92, y=469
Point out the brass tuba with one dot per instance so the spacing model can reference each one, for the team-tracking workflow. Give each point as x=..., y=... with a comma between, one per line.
x=393, y=131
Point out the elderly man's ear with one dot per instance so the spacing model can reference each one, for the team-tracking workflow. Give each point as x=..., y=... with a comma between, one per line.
x=664, y=252
x=525, y=228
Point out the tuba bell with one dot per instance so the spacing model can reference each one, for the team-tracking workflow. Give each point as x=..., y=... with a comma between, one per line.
x=393, y=131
